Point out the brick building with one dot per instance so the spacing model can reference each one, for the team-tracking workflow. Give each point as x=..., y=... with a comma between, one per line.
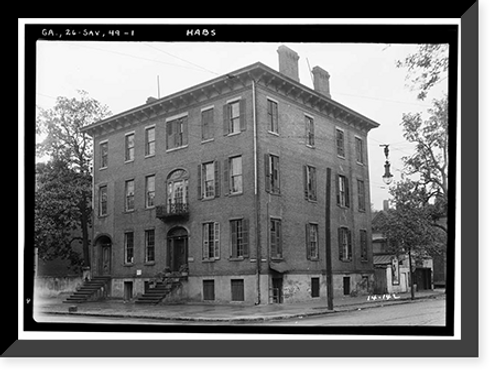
x=222, y=186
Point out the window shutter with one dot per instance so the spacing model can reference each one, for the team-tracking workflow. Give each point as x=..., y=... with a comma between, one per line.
x=314, y=191
x=200, y=179
x=217, y=178
x=226, y=177
x=243, y=124
x=204, y=254
x=185, y=131
x=306, y=184
x=216, y=240
x=267, y=172
x=308, y=241
x=169, y=134
x=340, y=243
x=225, y=121
x=347, y=196
x=337, y=188
x=349, y=244
x=245, y=231
x=279, y=239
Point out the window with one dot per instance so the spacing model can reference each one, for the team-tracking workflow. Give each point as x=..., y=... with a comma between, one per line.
x=177, y=133
x=310, y=186
x=208, y=180
x=312, y=241
x=276, y=243
x=207, y=124
x=129, y=248
x=235, y=175
x=211, y=241
x=104, y=154
x=150, y=191
x=361, y=196
x=103, y=201
x=314, y=287
x=209, y=289
x=129, y=195
x=272, y=174
x=342, y=191
x=129, y=147
x=150, y=245
x=359, y=151
x=363, y=245
x=239, y=238
x=237, y=290
x=234, y=117
x=272, y=116
x=150, y=141
x=309, y=131
x=177, y=190
x=340, y=142
x=345, y=245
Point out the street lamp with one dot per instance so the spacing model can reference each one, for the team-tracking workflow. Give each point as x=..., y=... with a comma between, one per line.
x=387, y=177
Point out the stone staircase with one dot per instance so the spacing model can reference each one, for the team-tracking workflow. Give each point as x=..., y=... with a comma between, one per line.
x=156, y=294
x=90, y=290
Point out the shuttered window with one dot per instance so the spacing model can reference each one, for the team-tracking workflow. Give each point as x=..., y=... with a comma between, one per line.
x=239, y=238
x=208, y=180
x=309, y=121
x=234, y=120
x=342, y=191
x=211, y=240
x=276, y=240
x=150, y=245
x=272, y=116
x=345, y=244
x=312, y=241
x=310, y=183
x=177, y=133
x=361, y=196
x=340, y=142
x=129, y=247
x=207, y=124
x=272, y=170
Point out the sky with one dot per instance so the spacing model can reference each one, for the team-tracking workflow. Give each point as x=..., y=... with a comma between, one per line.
x=122, y=75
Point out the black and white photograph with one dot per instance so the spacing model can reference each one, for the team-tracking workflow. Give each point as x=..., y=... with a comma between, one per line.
x=276, y=184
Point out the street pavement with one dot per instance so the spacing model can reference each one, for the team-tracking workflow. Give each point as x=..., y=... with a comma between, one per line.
x=202, y=312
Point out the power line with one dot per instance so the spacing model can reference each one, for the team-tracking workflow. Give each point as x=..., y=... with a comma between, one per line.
x=182, y=59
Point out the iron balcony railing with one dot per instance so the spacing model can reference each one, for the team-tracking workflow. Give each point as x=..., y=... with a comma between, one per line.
x=172, y=209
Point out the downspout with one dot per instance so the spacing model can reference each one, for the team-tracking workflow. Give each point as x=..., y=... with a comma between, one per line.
x=256, y=195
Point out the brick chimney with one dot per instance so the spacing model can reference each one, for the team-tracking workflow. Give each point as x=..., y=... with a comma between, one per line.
x=321, y=81
x=288, y=62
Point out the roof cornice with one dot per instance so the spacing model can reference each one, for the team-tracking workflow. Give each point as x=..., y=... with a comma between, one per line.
x=242, y=78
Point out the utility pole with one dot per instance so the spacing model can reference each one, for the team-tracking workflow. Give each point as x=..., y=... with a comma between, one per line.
x=412, y=288
x=328, y=241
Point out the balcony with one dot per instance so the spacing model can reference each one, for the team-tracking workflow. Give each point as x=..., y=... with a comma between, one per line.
x=172, y=210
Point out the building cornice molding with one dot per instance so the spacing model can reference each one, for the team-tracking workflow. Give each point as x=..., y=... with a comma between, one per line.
x=228, y=83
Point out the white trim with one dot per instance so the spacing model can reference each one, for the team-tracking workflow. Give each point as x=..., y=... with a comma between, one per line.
x=128, y=134
x=308, y=115
x=207, y=108
x=233, y=100
x=273, y=100
x=175, y=117
x=103, y=141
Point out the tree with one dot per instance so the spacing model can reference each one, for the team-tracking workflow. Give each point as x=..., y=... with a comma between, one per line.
x=426, y=68
x=430, y=160
x=408, y=226
x=63, y=200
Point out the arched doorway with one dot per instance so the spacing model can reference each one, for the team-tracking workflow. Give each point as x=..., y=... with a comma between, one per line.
x=177, y=249
x=102, y=257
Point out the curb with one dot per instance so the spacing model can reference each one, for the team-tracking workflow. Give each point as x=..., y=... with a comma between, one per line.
x=343, y=308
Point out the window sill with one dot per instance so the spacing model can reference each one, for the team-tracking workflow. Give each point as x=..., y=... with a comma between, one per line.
x=103, y=168
x=277, y=259
x=340, y=156
x=152, y=263
x=315, y=201
x=129, y=211
x=176, y=148
x=360, y=163
x=130, y=161
x=209, y=260
x=310, y=146
x=150, y=156
x=208, y=198
x=207, y=140
x=128, y=264
x=234, y=134
x=151, y=208
x=235, y=194
x=273, y=133
x=103, y=216
x=314, y=259
x=236, y=259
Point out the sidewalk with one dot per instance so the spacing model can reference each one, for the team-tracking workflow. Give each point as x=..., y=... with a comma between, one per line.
x=201, y=312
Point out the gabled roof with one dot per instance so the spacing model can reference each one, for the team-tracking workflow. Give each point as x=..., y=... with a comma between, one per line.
x=225, y=84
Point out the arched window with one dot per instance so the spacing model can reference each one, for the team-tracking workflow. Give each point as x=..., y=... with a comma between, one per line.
x=177, y=190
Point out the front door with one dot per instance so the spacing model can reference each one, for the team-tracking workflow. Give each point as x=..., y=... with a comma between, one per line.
x=177, y=249
x=106, y=260
x=277, y=290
